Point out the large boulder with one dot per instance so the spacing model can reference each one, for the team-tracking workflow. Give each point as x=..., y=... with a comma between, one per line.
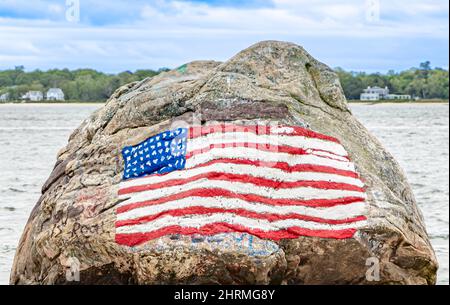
x=270, y=81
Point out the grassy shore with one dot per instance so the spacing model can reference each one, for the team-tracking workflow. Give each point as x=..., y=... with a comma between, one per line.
x=421, y=101
x=54, y=102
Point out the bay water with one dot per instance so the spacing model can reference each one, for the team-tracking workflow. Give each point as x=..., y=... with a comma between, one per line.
x=31, y=135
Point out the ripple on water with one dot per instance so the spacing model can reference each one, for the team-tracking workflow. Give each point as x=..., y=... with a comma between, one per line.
x=14, y=190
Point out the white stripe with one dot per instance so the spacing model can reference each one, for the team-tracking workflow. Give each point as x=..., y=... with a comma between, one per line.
x=325, y=154
x=249, y=137
x=255, y=171
x=264, y=156
x=261, y=224
x=333, y=213
x=300, y=193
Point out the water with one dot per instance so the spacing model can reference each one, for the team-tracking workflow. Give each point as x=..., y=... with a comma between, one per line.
x=31, y=135
x=418, y=137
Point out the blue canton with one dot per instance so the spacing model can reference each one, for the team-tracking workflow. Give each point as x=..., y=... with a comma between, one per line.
x=159, y=154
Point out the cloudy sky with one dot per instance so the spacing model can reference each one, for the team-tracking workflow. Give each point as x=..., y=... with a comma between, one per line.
x=118, y=35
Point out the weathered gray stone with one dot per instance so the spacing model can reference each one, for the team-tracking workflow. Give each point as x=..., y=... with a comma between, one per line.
x=270, y=81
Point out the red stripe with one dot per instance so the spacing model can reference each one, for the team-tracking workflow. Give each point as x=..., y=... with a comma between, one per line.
x=267, y=148
x=199, y=210
x=199, y=131
x=220, y=176
x=216, y=192
x=284, y=166
x=257, y=146
x=135, y=239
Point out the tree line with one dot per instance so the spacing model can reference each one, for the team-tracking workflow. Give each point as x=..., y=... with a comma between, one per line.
x=84, y=85
x=89, y=85
x=422, y=82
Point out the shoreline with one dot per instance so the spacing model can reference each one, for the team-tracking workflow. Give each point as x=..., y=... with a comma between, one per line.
x=55, y=104
x=353, y=102
x=412, y=103
x=391, y=102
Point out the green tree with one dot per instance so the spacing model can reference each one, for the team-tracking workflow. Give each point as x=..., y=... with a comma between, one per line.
x=423, y=82
x=92, y=85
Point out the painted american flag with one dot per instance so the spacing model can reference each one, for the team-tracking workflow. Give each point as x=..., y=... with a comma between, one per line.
x=273, y=182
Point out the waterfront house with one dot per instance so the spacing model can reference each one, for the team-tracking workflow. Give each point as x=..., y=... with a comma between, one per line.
x=374, y=93
x=55, y=94
x=4, y=97
x=34, y=96
x=377, y=93
x=398, y=97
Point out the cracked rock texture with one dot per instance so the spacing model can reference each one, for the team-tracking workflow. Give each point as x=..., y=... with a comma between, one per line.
x=270, y=81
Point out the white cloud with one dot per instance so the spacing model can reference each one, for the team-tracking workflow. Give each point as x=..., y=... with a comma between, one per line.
x=325, y=18
x=117, y=35
x=55, y=9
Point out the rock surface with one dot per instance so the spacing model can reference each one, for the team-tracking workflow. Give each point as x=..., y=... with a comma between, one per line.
x=270, y=81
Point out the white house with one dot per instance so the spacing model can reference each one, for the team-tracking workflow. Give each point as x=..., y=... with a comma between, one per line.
x=374, y=93
x=4, y=97
x=377, y=93
x=370, y=97
x=34, y=96
x=55, y=94
x=398, y=97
